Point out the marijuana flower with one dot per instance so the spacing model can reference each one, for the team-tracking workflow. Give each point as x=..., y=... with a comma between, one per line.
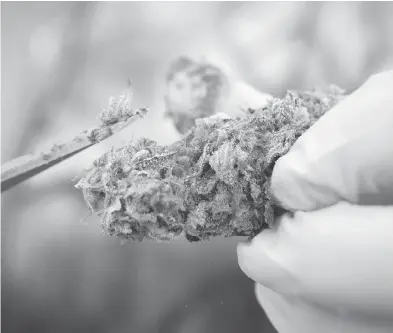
x=213, y=182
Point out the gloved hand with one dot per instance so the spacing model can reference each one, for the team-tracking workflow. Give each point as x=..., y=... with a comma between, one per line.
x=328, y=265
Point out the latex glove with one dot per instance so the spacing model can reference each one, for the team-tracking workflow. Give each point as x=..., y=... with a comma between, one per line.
x=329, y=266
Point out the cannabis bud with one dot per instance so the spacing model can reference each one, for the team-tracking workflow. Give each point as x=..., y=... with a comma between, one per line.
x=213, y=182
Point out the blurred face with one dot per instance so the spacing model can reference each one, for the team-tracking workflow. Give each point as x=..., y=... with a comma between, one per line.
x=185, y=92
x=192, y=92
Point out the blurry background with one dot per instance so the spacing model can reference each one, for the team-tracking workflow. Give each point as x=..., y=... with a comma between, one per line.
x=60, y=63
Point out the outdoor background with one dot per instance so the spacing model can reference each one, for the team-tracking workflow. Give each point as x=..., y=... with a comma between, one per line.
x=61, y=61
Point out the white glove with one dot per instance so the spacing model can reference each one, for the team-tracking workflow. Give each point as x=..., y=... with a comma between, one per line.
x=329, y=266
